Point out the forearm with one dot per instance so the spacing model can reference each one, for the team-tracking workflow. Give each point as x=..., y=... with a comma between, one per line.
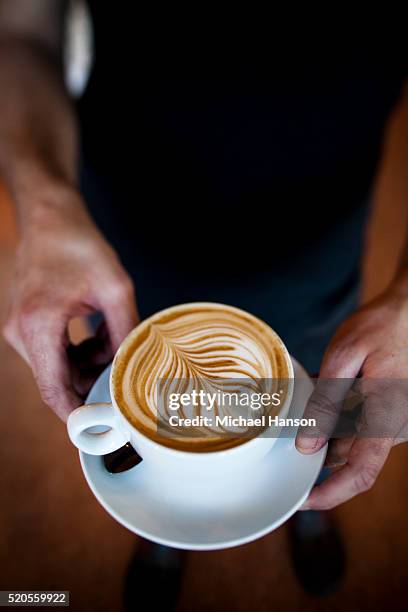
x=400, y=283
x=38, y=131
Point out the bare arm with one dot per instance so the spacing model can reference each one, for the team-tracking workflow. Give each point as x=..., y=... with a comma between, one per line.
x=38, y=132
x=64, y=267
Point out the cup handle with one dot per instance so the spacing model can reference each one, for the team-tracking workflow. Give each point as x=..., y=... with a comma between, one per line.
x=93, y=415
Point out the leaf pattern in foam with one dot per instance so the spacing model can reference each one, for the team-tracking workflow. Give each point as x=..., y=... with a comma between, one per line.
x=199, y=351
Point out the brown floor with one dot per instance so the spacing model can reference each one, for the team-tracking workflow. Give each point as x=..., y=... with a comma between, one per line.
x=55, y=535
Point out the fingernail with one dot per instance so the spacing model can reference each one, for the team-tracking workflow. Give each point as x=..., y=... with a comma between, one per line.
x=333, y=463
x=309, y=444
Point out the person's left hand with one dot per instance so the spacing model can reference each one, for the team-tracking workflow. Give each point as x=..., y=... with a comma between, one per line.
x=371, y=344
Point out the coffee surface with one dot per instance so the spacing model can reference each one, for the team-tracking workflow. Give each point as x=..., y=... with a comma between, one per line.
x=195, y=346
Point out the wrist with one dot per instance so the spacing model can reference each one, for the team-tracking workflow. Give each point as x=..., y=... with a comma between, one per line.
x=42, y=200
x=37, y=186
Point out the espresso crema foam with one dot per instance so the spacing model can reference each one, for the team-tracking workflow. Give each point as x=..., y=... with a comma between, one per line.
x=195, y=346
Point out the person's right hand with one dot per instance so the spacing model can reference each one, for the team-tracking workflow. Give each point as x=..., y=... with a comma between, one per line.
x=64, y=269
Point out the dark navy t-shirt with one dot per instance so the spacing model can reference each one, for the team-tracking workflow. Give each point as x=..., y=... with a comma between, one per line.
x=222, y=128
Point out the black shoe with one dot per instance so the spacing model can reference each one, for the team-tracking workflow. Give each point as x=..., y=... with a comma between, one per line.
x=154, y=578
x=317, y=552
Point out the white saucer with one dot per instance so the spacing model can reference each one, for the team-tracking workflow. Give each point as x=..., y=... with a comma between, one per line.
x=195, y=516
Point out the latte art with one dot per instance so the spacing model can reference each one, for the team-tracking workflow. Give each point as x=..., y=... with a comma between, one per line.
x=196, y=347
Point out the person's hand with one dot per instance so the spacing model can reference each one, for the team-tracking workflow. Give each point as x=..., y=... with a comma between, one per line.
x=373, y=345
x=64, y=269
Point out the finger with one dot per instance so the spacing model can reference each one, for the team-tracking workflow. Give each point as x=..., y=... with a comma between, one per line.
x=83, y=380
x=366, y=459
x=118, y=305
x=45, y=339
x=341, y=364
x=96, y=350
x=12, y=334
x=338, y=451
x=88, y=360
x=11, y=330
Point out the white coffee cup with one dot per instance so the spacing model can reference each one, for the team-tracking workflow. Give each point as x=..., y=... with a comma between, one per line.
x=101, y=428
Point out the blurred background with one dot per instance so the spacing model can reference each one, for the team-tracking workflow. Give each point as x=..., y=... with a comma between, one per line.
x=54, y=534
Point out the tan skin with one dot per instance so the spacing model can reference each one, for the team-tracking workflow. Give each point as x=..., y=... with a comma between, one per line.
x=372, y=344
x=65, y=268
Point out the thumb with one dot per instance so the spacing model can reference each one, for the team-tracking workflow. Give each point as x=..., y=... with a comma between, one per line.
x=340, y=366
